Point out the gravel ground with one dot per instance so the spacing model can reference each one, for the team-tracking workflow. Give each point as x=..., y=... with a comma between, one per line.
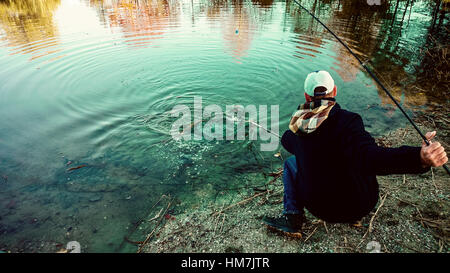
x=412, y=218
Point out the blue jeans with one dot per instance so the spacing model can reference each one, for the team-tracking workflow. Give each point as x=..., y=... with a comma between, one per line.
x=291, y=198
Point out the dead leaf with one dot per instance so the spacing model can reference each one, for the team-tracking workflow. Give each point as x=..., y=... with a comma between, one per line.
x=62, y=250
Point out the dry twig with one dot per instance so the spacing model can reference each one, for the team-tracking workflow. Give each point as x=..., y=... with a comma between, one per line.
x=311, y=234
x=150, y=235
x=369, y=230
x=242, y=202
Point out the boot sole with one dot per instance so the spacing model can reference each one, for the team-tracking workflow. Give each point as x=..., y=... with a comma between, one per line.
x=297, y=235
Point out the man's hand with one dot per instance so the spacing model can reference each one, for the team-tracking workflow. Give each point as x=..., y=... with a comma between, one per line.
x=432, y=155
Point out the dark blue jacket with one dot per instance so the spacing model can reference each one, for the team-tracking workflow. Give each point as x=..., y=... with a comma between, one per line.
x=338, y=163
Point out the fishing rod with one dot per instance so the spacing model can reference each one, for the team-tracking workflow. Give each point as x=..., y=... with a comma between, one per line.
x=373, y=77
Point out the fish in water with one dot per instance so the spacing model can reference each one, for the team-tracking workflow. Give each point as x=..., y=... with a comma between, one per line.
x=77, y=167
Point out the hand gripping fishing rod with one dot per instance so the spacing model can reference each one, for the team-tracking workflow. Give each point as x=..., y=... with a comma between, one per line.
x=373, y=77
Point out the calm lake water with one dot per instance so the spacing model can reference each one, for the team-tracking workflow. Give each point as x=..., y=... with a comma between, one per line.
x=93, y=83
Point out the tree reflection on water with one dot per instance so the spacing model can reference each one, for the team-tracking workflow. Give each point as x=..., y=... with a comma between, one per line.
x=404, y=41
x=27, y=22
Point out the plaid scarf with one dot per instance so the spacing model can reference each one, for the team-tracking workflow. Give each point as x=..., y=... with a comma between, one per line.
x=310, y=115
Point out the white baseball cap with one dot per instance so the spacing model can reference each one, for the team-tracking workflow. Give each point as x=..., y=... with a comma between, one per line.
x=319, y=78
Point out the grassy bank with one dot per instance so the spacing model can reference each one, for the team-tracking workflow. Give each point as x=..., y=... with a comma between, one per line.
x=412, y=215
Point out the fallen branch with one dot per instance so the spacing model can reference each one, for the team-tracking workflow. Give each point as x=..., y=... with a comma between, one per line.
x=223, y=221
x=242, y=202
x=150, y=235
x=311, y=234
x=138, y=223
x=325, y=225
x=156, y=216
x=432, y=179
x=217, y=222
x=369, y=230
x=439, y=228
x=276, y=174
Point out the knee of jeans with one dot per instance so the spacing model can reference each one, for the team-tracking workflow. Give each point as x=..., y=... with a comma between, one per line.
x=290, y=161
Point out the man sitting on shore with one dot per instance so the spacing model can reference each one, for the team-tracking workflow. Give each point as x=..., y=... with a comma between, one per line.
x=335, y=163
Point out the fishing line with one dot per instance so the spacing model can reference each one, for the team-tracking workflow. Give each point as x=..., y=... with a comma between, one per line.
x=373, y=77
